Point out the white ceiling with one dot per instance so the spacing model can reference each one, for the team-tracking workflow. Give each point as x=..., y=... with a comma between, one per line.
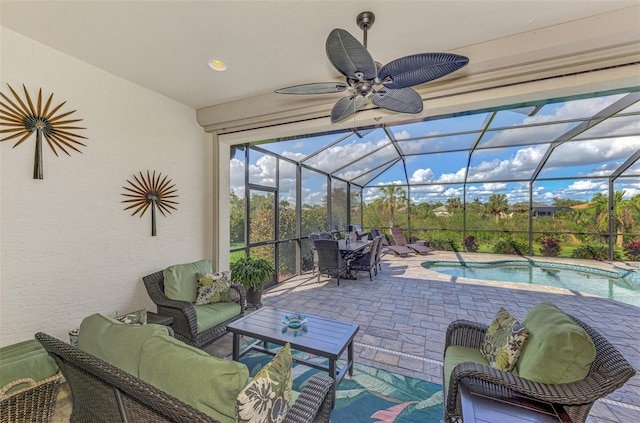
x=165, y=45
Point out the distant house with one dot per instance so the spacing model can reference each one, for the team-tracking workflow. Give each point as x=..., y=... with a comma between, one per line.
x=441, y=211
x=545, y=210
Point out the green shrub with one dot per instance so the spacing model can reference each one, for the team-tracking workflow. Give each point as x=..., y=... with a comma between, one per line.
x=470, y=243
x=444, y=244
x=595, y=252
x=633, y=250
x=510, y=246
x=550, y=247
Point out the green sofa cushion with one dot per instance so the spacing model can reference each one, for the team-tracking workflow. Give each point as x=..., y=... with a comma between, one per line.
x=210, y=315
x=27, y=359
x=455, y=355
x=114, y=342
x=180, y=280
x=558, y=349
x=207, y=383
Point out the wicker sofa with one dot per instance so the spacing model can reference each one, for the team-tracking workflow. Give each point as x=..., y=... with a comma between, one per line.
x=29, y=381
x=145, y=375
x=604, y=374
x=188, y=327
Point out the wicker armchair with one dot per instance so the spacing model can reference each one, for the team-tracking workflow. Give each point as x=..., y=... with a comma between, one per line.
x=103, y=393
x=185, y=320
x=608, y=372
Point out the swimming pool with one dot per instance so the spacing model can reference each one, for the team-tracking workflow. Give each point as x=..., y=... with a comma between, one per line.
x=623, y=286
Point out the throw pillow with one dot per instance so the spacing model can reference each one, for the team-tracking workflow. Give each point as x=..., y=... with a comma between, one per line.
x=213, y=288
x=504, y=341
x=266, y=399
x=138, y=317
x=558, y=349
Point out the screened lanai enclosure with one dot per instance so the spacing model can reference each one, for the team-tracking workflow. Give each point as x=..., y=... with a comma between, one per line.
x=554, y=178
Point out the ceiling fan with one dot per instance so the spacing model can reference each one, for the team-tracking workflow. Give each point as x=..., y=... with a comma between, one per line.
x=388, y=86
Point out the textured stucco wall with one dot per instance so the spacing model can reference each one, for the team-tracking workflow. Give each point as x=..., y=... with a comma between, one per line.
x=67, y=247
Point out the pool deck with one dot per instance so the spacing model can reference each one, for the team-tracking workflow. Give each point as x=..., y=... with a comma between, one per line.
x=404, y=312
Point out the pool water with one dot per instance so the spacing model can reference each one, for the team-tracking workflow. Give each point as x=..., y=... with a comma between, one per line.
x=605, y=284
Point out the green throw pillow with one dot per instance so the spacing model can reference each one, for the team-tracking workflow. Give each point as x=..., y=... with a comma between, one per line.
x=267, y=398
x=558, y=349
x=504, y=341
x=180, y=280
x=213, y=288
x=205, y=382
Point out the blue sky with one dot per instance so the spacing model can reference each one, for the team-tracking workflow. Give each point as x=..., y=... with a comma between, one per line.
x=510, y=150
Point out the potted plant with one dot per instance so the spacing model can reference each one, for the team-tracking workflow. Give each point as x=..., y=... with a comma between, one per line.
x=252, y=273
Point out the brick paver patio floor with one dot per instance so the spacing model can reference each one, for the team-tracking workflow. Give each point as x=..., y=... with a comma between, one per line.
x=404, y=312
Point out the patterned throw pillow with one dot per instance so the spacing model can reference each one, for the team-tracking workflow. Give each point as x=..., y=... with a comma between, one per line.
x=266, y=399
x=213, y=288
x=504, y=341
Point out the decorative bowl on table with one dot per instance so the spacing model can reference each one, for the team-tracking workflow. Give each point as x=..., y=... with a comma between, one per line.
x=294, y=321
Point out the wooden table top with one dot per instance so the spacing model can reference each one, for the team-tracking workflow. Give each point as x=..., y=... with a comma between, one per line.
x=321, y=336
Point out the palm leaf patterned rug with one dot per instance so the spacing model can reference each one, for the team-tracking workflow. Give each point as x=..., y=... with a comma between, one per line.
x=371, y=395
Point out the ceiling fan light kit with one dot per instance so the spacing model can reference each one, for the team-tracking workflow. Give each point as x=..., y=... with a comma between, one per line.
x=388, y=87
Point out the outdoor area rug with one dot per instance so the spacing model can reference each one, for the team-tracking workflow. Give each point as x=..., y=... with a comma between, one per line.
x=371, y=395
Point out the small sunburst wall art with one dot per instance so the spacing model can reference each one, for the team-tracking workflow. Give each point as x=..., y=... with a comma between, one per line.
x=150, y=191
x=20, y=118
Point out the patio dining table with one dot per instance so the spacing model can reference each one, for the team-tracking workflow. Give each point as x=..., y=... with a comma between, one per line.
x=349, y=251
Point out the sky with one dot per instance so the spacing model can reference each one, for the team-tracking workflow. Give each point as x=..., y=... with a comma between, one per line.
x=437, y=152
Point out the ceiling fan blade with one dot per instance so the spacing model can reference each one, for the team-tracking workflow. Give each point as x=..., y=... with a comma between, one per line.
x=315, y=88
x=420, y=68
x=347, y=106
x=349, y=56
x=405, y=100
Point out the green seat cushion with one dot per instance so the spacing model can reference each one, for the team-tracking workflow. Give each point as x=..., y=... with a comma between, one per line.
x=455, y=355
x=210, y=315
x=180, y=280
x=116, y=343
x=558, y=349
x=27, y=359
x=207, y=383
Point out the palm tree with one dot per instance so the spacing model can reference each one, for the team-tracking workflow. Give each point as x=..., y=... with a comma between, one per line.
x=454, y=203
x=392, y=196
x=622, y=214
x=497, y=204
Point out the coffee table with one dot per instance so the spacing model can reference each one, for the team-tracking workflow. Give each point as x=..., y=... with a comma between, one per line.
x=320, y=336
x=481, y=404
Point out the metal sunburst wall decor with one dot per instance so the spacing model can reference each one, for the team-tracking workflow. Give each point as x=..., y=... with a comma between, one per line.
x=22, y=119
x=150, y=191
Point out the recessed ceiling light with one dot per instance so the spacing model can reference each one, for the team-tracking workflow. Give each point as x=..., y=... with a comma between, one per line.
x=218, y=65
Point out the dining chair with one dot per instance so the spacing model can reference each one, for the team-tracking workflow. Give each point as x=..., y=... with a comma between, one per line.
x=367, y=261
x=330, y=261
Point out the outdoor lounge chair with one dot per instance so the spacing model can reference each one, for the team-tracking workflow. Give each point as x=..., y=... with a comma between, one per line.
x=395, y=249
x=400, y=240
